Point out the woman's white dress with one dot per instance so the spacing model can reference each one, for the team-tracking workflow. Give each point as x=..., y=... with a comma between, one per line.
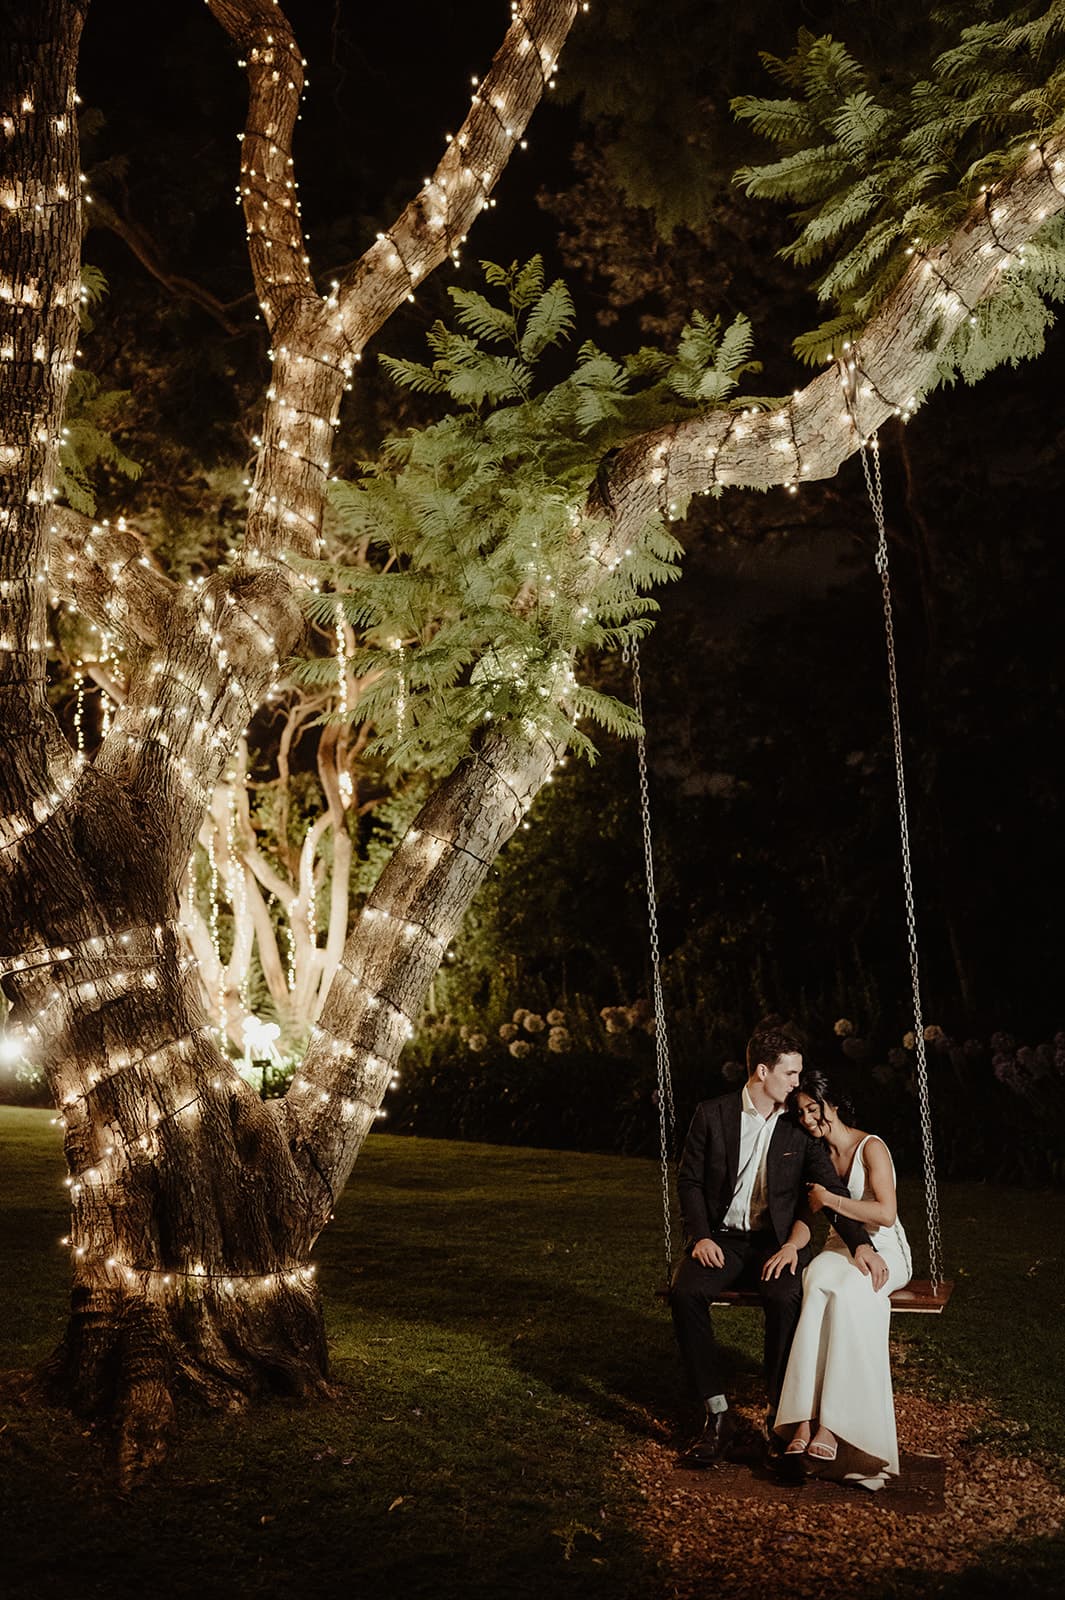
x=839, y=1371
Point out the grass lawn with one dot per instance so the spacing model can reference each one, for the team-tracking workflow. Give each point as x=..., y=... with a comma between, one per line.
x=496, y=1344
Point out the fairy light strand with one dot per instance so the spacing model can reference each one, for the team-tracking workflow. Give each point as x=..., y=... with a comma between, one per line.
x=96, y=944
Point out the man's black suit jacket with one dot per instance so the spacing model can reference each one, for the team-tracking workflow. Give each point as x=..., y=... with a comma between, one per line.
x=708, y=1168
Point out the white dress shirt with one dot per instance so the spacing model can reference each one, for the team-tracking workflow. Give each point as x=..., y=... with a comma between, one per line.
x=748, y=1210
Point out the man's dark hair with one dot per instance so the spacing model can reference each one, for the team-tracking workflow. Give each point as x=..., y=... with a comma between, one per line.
x=771, y=1039
x=824, y=1091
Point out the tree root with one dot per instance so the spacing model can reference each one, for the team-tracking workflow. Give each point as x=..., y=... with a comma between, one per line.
x=127, y=1362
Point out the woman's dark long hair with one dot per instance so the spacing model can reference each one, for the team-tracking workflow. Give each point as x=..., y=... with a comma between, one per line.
x=824, y=1091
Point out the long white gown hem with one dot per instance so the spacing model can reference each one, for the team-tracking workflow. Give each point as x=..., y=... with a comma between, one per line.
x=839, y=1370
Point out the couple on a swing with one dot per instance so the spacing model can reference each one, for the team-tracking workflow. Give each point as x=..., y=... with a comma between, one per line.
x=756, y=1166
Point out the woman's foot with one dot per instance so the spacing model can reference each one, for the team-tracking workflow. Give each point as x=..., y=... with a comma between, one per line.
x=823, y=1446
x=799, y=1441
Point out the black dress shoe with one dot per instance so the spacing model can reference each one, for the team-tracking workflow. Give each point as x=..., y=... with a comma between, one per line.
x=718, y=1430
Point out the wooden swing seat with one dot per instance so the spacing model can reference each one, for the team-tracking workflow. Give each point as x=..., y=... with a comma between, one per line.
x=918, y=1295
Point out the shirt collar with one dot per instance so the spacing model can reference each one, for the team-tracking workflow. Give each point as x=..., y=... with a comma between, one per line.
x=751, y=1110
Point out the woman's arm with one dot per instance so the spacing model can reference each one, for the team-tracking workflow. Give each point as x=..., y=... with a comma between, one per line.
x=880, y=1210
x=825, y=1189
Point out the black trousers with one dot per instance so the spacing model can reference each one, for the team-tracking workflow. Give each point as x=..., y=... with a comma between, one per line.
x=693, y=1289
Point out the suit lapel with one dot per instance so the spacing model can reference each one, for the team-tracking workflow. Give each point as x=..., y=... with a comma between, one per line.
x=781, y=1139
x=731, y=1111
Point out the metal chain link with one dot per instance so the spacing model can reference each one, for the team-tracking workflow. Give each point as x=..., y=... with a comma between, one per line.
x=871, y=450
x=667, y=1120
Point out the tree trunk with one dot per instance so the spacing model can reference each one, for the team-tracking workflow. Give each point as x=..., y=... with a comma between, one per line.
x=194, y=1205
x=189, y=1218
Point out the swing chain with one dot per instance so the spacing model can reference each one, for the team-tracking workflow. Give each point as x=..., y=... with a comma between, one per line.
x=667, y=1120
x=874, y=485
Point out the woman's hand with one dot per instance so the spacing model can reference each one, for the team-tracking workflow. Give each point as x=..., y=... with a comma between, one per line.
x=818, y=1197
x=787, y=1257
x=873, y=1265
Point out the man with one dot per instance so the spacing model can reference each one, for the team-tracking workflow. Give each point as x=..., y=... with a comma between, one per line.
x=742, y=1183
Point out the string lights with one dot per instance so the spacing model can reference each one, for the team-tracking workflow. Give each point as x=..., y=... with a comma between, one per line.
x=401, y=686
x=342, y=662
x=182, y=1281
x=290, y=429
x=213, y=927
x=312, y=903
x=238, y=893
x=17, y=827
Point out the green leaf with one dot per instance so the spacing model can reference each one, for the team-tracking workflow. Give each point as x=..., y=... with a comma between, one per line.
x=482, y=318
x=411, y=375
x=784, y=121
x=549, y=321
x=825, y=342
x=858, y=123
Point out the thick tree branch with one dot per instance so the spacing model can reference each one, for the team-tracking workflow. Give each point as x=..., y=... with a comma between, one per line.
x=268, y=187
x=885, y=373
x=315, y=341
x=106, y=571
x=395, y=948
x=436, y=222
x=40, y=239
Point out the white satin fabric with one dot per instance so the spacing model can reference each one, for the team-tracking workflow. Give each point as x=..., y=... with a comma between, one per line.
x=839, y=1371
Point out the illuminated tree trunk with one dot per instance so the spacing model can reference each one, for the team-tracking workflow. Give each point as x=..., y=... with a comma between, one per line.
x=195, y=1206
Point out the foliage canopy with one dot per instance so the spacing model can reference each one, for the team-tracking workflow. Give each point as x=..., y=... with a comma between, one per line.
x=877, y=170
x=480, y=607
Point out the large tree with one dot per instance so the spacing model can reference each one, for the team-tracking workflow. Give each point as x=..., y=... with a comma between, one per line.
x=195, y=1206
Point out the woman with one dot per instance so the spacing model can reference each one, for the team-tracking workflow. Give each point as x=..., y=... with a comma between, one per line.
x=836, y=1402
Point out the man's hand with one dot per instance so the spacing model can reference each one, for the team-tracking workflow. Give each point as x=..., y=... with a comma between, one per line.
x=708, y=1253
x=787, y=1257
x=873, y=1266
x=818, y=1197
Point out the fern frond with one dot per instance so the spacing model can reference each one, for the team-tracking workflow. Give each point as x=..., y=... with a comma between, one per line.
x=528, y=283
x=834, y=220
x=829, y=74
x=412, y=375
x=855, y=267
x=786, y=122
x=550, y=319
x=858, y=123
x=481, y=318
x=825, y=342
x=805, y=175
